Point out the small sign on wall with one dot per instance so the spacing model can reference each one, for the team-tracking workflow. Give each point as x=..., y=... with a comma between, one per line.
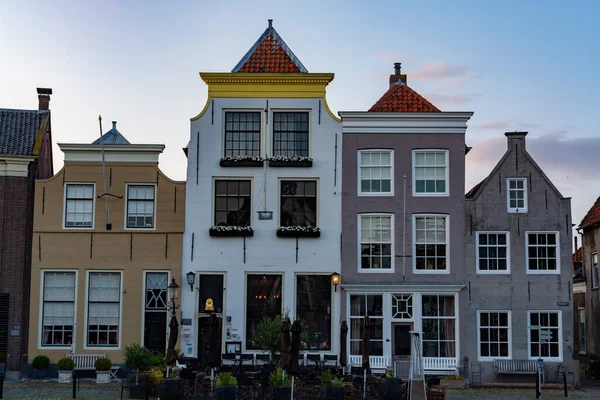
x=562, y=303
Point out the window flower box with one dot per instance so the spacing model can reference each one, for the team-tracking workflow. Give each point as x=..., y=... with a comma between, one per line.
x=298, y=231
x=241, y=161
x=231, y=231
x=298, y=162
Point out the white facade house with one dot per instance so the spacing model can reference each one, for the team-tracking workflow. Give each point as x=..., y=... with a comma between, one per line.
x=263, y=205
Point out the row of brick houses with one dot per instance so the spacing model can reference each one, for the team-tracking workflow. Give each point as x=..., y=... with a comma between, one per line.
x=288, y=209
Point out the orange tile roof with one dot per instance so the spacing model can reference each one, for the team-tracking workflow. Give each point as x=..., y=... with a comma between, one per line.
x=593, y=215
x=269, y=57
x=401, y=98
x=578, y=255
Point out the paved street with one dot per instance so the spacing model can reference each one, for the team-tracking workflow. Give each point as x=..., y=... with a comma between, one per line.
x=518, y=394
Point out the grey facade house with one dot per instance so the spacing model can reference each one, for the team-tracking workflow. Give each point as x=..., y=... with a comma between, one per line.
x=518, y=241
x=402, y=230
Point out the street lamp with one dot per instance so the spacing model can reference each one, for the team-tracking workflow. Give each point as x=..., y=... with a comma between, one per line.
x=173, y=293
x=335, y=280
x=191, y=278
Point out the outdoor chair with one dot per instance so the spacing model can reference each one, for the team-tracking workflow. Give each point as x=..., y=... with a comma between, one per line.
x=262, y=359
x=331, y=360
x=315, y=358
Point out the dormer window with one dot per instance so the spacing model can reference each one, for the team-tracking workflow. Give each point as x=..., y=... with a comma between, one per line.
x=516, y=195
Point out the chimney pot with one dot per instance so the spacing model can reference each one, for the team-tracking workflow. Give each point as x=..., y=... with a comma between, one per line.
x=397, y=68
x=44, y=98
x=114, y=124
x=515, y=138
x=270, y=23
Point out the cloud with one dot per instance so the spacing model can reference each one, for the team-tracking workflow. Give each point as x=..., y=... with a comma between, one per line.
x=440, y=99
x=440, y=70
x=497, y=124
x=509, y=125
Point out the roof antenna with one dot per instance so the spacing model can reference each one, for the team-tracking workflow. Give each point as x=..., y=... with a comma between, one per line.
x=108, y=224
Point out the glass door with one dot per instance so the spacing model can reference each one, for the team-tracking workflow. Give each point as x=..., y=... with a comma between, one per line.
x=401, y=345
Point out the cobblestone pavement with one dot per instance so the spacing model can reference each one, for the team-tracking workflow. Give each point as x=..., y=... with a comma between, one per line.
x=49, y=390
x=519, y=394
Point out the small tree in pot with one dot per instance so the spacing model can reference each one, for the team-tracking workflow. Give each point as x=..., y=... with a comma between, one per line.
x=65, y=370
x=40, y=367
x=281, y=383
x=226, y=386
x=333, y=388
x=103, y=366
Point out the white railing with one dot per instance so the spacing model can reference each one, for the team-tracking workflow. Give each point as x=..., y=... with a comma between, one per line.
x=85, y=361
x=376, y=362
x=439, y=363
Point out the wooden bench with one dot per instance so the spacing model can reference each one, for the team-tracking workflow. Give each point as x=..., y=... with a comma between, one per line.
x=515, y=367
x=87, y=362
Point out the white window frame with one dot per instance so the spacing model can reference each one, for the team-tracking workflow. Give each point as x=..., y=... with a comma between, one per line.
x=64, y=216
x=126, y=213
x=294, y=314
x=85, y=317
x=390, y=270
x=560, y=335
x=446, y=177
x=525, y=199
x=594, y=263
x=144, y=272
x=542, y=272
x=479, y=356
x=40, y=346
x=456, y=318
x=579, y=310
x=382, y=317
x=493, y=272
x=414, y=246
x=359, y=169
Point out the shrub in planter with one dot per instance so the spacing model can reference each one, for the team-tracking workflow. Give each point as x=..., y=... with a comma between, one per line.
x=226, y=386
x=452, y=381
x=298, y=231
x=281, y=384
x=103, y=366
x=40, y=367
x=137, y=358
x=65, y=370
x=231, y=231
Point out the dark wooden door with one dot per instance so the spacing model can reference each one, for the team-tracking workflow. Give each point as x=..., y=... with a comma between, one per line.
x=155, y=331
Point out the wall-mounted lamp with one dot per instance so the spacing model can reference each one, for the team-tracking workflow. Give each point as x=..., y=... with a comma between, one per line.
x=191, y=278
x=335, y=280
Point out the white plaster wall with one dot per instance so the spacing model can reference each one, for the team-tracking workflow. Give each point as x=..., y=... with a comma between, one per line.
x=265, y=252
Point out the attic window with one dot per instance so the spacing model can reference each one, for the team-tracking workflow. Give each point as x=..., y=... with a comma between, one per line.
x=516, y=195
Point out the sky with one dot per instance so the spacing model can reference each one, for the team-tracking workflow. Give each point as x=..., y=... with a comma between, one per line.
x=518, y=65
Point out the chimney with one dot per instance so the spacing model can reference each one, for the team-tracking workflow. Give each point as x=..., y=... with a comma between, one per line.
x=397, y=77
x=270, y=24
x=114, y=123
x=44, y=98
x=515, y=139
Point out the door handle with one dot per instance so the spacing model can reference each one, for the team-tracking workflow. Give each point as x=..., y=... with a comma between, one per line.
x=387, y=340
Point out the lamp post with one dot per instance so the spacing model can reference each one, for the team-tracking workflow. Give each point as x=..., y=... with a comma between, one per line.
x=172, y=356
x=173, y=294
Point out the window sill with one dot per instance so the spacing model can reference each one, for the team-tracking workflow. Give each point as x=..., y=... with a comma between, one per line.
x=596, y=288
x=431, y=271
x=241, y=163
x=298, y=234
x=415, y=194
x=232, y=233
x=484, y=272
x=543, y=272
x=516, y=211
x=290, y=164
x=376, y=270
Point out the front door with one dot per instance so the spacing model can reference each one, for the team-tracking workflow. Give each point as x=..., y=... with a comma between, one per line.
x=401, y=348
x=204, y=340
x=155, y=335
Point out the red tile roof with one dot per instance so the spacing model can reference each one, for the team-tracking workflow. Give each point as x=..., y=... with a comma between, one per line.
x=269, y=57
x=401, y=98
x=593, y=215
x=578, y=255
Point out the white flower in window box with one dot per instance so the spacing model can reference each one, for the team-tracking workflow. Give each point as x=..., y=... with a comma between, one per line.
x=294, y=161
x=299, y=231
x=230, y=231
x=241, y=161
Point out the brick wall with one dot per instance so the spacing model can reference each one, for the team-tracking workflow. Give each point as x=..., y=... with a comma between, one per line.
x=16, y=223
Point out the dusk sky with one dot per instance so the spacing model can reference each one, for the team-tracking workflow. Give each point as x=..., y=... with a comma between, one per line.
x=531, y=66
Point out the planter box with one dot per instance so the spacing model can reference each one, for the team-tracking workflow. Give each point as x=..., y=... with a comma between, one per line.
x=40, y=373
x=137, y=392
x=241, y=163
x=217, y=233
x=298, y=234
x=453, y=384
x=226, y=393
x=334, y=392
x=169, y=389
x=102, y=376
x=290, y=164
x=65, y=376
x=282, y=392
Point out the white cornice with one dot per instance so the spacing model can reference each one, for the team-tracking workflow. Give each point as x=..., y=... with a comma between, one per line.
x=15, y=165
x=416, y=287
x=407, y=122
x=112, y=153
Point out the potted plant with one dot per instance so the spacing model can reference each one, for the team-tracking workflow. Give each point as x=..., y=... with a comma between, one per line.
x=137, y=358
x=298, y=231
x=452, y=381
x=226, y=386
x=281, y=383
x=40, y=367
x=294, y=161
x=169, y=386
x=230, y=231
x=241, y=161
x=103, y=366
x=65, y=370
x=333, y=388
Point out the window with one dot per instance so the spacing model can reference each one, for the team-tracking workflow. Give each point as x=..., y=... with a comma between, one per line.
x=582, y=332
x=594, y=270
x=375, y=172
x=79, y=209
x=313, y=308
x=430, y=172
x=493, y=252
x=290, y=134
x=517, y=195
x=232, y=203
x=298, y=203
x=402, y=306
x=104, y=308
x=263, y=299
x=371, y=305
x=242, y=134
x=376, y=242
x=58, y=313
x=542, y=252
x=439, y=326
x=155, y=311
x=140, y=206
x=494, y=334
x=431, y=243
x=545, y=335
